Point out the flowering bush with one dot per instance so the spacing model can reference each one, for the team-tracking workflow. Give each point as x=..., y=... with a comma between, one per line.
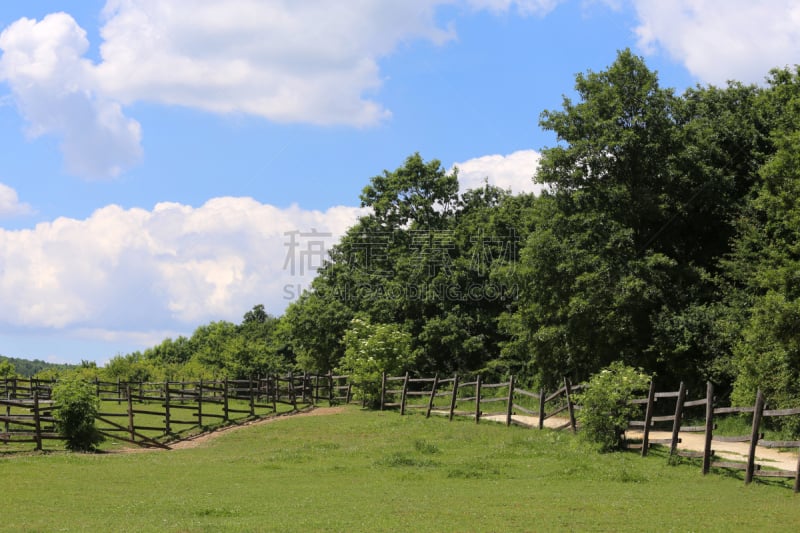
x=371, y=349
x=605, y=411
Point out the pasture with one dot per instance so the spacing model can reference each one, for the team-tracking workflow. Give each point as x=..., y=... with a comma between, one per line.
x=377, y=471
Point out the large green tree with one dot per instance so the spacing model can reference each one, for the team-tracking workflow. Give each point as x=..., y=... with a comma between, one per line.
x=425, y=260
x=643, y=191
x=764, y=270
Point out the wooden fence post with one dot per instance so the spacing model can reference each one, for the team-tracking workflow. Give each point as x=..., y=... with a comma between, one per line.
x=383, y=389
x=37, y=422
x=709, y=427
x=541, y=408
x=478, y=400
x=225, y=399
x=403, y=395
x=275, y=384
x=131, y=427
x=167, y=428
x=200, y=403
x=292, y=392
x=510, y=408
x=8, y=410
x=433, y=395
x=648, y=417
x=676, y=423
x=797, y=475
x=570, y=407
x=251, y=394
x=751, y=456
x=454, y=399
x=330, y=387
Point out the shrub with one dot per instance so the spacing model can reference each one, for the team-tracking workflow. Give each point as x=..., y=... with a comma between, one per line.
x=371, y=349
x=605, y=411
x=76, y=407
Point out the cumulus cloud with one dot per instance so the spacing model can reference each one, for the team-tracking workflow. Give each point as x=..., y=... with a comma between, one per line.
x=720, y=41
x=124, y=273
x=513, y=171
x=10, y=204
x=56, y=92
x=310, y=62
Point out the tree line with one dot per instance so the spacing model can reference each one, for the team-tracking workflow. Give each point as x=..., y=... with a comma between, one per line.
x=666, y=238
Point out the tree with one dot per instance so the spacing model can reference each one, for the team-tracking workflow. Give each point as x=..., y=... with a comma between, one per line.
x=644, y=189
x=7, y=369
x=312, y=328
x=418, y=192
x=763, y=270
x=426, y=259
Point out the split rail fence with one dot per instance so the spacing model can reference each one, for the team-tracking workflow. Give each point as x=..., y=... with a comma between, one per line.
x=477, y=399
x=665, y=410
x=146, y=414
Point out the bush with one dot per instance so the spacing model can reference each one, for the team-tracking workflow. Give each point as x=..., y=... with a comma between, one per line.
x=605, y=411
x=371, y=349
x=76, y=406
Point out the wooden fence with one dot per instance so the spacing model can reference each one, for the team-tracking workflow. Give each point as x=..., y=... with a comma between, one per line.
x=475, y=398
x=153, y=411
x=519, y=407
x=145, y=413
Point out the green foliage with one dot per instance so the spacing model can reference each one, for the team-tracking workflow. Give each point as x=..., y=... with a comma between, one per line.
x=645, y=187
x=76, y=406
x=313, y=328
x=370, y=350
x=33, y=367
x=605, y=412
x=764, y=270
x=7, y=369
x=132, y=367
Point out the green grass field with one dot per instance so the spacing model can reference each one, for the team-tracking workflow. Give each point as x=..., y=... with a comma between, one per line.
x=378, y=471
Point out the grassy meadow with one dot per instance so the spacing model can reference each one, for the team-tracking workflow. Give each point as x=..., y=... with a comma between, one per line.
x=377, y=471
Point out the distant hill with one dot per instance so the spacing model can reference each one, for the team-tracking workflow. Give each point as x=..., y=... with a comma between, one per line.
x=28, y=368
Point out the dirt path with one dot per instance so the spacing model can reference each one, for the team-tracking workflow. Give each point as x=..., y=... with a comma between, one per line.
x=203, y=438
x=732, y=451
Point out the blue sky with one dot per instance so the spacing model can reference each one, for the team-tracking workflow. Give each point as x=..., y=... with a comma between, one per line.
x=157, y=155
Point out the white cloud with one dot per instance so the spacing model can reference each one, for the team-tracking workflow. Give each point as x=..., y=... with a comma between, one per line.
x=720, y=40
x=524, y=7
x=311, y=62
x=10, y=204
x=308, y=61
x=133, y=273
x=513, y=171
x=56, y=92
